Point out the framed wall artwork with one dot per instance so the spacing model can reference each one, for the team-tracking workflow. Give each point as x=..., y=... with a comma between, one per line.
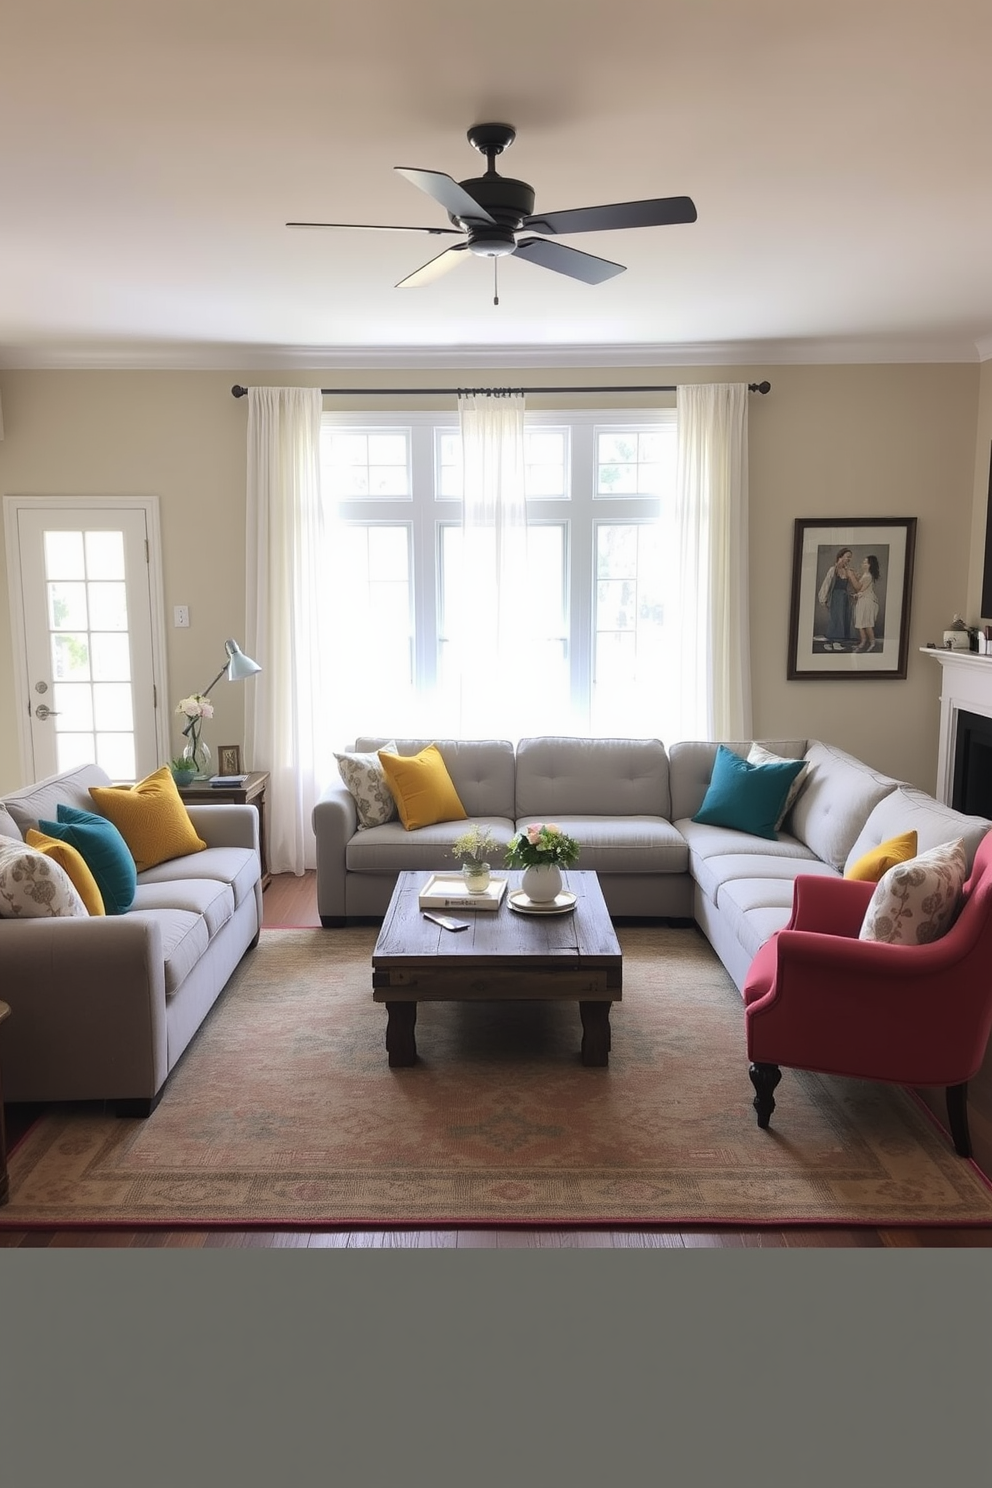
x=851, y=584
x=229, y=759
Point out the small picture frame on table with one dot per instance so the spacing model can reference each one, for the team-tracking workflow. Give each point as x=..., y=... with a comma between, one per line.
x=851, y=585
x=229, y=759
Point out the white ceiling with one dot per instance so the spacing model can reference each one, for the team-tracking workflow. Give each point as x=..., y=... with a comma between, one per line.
x=839, y=155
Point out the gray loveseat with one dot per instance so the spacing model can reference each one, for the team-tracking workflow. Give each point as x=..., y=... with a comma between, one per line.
x=102, y=1007
x=630, y=804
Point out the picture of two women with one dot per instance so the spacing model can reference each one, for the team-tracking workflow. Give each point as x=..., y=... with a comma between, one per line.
x=848, y=595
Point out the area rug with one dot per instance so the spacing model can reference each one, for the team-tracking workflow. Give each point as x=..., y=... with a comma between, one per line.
x=284, y=1111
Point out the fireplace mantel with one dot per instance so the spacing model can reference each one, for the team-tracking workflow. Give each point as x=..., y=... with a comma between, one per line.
x=965, y=686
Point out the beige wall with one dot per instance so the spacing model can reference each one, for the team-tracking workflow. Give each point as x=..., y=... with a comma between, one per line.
x=827, y=441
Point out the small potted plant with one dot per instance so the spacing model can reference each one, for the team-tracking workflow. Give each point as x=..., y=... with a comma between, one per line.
x=182, y=770
x=473, y=849
x=542, y=850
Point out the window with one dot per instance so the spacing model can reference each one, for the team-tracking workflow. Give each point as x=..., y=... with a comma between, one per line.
x=600, y=498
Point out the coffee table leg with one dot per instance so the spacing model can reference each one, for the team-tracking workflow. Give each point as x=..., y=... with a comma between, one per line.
x=401, y=1044
x=595, y=1032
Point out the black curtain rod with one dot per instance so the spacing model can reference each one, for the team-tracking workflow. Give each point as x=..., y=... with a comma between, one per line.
x=753, y=387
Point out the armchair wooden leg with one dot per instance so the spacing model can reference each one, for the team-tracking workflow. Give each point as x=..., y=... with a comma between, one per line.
x=957, y=1115
x=764, y=1078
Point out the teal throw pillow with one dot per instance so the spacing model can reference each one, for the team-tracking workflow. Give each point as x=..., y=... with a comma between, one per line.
x=744, y=797
x=103, y=850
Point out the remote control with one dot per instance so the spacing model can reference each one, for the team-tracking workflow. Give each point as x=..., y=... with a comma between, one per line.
x=446, y=922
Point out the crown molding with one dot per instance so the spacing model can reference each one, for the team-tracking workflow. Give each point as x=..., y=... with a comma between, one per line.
x=233, y=357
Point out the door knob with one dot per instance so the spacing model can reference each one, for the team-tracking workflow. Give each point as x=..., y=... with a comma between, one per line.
x=43, y=711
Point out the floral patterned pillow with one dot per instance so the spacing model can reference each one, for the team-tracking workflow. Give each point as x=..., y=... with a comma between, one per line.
x=917, y=901
x=365, y=778
x=33, y=886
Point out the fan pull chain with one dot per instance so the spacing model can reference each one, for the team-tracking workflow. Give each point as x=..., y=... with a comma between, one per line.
x=495, y=281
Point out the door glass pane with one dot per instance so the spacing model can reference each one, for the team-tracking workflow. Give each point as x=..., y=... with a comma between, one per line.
x=64, y=555
x=70, y=657
x=105, y=555
x=92, y=700
x=108, y=606
x=67, y=606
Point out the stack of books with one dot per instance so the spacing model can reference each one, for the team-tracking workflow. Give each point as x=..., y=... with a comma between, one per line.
x=227, y=780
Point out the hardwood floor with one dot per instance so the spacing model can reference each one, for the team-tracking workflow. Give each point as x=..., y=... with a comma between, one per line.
x=291, y=901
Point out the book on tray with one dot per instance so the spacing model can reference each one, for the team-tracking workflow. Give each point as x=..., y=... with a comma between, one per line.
x=448, y=891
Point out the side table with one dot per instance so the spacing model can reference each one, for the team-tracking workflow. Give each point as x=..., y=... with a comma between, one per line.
x=251, y=792
x=4, y=1180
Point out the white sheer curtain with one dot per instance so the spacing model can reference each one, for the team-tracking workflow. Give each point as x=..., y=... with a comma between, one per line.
x=285, y=732
x=708, y=672
x=487, y=628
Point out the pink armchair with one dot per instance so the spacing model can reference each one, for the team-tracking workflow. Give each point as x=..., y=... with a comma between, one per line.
x=818, y=998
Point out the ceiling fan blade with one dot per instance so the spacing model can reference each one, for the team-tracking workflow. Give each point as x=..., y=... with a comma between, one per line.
x=381, y=227
x=452, y=197
x=434, y=268
x=660, y=212
x=565, y=260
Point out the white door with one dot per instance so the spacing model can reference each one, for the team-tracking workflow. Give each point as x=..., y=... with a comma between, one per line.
x=86, y=611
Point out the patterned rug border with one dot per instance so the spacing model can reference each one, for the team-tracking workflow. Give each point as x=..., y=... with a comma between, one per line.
x=348, y=1217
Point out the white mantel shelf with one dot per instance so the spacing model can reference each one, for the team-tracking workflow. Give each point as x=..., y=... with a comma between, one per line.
x=966, y=686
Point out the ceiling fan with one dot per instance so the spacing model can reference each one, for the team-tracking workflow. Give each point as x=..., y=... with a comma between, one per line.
x=491, y=211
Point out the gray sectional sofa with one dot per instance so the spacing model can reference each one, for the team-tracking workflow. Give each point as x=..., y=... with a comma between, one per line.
x=103, y=1007
x=630, y=804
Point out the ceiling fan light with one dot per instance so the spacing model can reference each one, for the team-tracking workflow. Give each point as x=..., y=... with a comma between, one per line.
x=490, y=243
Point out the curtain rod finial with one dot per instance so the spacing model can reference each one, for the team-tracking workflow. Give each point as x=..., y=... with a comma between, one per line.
x=239, y=392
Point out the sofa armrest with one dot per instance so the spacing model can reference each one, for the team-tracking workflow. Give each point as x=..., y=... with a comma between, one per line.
x=87, y=998
x=335, y=822
x=225, y=825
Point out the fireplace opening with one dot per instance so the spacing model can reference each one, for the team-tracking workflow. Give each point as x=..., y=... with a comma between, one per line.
x=972, y=789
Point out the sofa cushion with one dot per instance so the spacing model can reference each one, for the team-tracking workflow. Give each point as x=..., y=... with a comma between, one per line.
x=365, y=778
x=908, y=808
x=104, y=850
x=33, y=886
x=151, y=817
x=203, y=896
x=184, y=937
x=237, y=866
x=838, y=797
x=870, y=867
x=714, y=871
x=915, y=903
x=392, y=849
x=74, y=865
x=748, y=798
x=626, y=844
x=755, y=908
x=423, y=789
x=568, y=777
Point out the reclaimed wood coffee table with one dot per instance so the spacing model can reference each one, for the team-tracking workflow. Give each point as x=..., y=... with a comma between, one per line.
x=503, y=956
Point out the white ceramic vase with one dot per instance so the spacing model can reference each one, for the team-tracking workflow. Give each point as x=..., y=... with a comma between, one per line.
x=542, y=883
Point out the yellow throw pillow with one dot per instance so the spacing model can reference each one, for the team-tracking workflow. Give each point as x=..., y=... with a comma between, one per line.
x=75, y=866
x=422, y=788
x=151, y=817
x=886, y=855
